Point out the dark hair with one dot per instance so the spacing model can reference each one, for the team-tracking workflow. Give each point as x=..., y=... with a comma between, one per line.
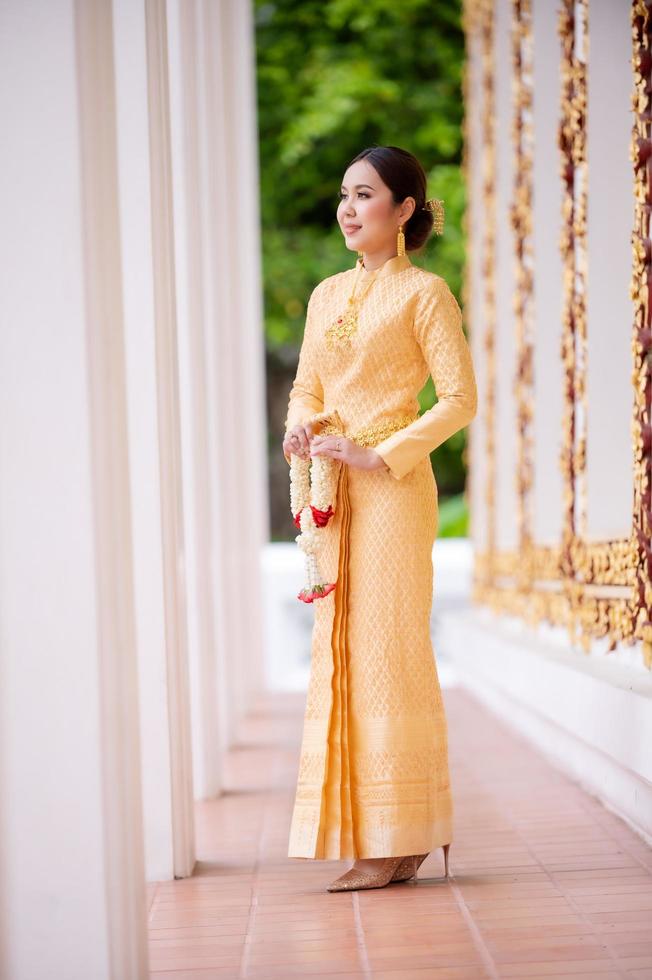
x=405, y=177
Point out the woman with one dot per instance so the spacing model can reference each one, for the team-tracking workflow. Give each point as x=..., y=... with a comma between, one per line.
x=373, y=781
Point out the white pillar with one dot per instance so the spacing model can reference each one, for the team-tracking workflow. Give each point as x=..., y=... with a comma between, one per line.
x=158, y=554
x=236, y=346
x=246, y=255
x=201, y=465
x=73, y=902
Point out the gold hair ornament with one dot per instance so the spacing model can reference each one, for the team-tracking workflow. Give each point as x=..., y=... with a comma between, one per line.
x=436, y=205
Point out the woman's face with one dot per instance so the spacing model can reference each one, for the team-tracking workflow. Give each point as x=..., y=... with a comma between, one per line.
x=367, y=215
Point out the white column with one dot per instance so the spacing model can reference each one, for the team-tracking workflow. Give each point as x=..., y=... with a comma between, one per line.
x=247, y=256
x=201, y=465
x=155, y=475
x=72, y=880
x=234, y=329
x=178, y=729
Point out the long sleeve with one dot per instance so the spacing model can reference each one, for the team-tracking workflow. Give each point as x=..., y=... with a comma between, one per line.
x=438, y=331
x=307, y=394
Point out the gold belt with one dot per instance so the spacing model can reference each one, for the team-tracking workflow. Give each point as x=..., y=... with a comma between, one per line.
x=330, y=423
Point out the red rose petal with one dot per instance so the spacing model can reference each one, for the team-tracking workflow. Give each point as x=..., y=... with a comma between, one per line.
x=321, y=517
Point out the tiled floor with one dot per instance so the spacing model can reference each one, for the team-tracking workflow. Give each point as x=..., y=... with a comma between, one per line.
x=546, y=882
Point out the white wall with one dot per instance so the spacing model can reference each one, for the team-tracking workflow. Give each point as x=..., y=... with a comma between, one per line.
x=610, y=219
x=547, y=504
x=475, y=310
x=505, y=411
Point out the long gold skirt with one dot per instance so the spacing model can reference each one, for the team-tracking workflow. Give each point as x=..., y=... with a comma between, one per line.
x=373, y=777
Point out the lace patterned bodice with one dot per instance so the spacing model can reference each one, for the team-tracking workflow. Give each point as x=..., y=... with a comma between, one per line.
x=409, y=326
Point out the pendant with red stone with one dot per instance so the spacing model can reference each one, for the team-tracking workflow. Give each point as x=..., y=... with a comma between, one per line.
x=342, y=329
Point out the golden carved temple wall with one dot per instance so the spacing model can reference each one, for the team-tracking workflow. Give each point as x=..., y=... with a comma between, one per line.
x=594, y=589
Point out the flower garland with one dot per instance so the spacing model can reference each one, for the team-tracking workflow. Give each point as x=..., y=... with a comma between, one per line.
x=313, y=492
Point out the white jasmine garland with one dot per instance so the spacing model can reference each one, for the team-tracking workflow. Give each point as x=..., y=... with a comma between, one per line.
x=299, y=483
x=313, y=484
x=313, y=491
x=323, y=482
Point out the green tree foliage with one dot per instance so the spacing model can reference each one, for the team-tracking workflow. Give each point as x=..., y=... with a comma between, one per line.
x=335, y=76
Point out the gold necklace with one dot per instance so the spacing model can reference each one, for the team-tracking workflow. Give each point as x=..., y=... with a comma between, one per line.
x=343, y=328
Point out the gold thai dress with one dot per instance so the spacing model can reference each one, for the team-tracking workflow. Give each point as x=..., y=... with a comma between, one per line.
x=373, y=778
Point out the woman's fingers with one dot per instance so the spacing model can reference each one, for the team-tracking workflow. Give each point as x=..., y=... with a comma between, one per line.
x=304, y=441
x=326, y=445
x=305, y=435
x=298, y=440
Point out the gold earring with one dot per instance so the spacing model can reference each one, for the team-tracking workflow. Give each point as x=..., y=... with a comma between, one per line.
x=400, y=241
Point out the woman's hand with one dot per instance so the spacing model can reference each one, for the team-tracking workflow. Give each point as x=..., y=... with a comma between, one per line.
x=339, y=447
x=297, y=440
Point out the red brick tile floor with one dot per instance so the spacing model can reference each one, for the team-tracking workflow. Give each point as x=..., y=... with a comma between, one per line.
x=545, y=882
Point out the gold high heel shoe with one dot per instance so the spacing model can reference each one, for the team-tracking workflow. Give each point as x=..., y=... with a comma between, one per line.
x=354, y=879
x=410, y=865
